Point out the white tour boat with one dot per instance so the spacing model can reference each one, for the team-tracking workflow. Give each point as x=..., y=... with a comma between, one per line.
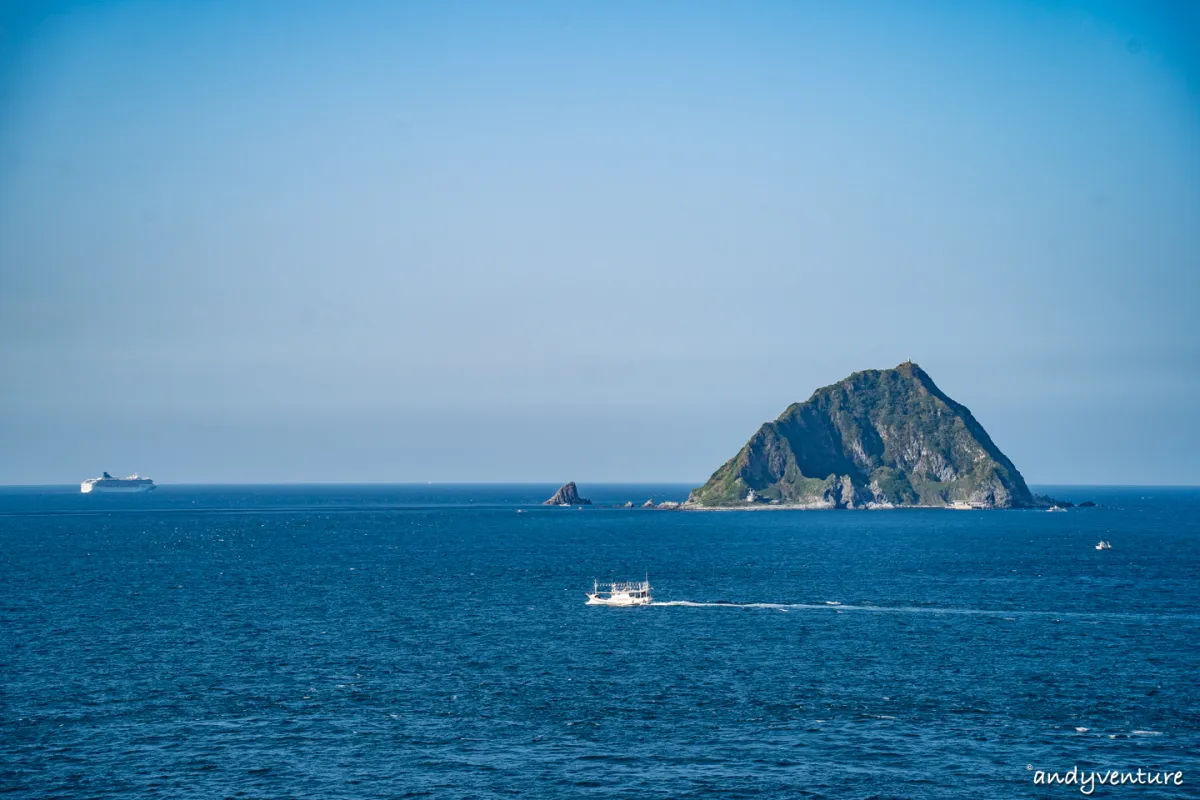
x=620, y=594
x=1104, y=545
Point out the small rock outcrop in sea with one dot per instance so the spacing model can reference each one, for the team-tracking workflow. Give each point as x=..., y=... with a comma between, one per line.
x=878, y=439
x=1044, y=500
x=648, y=504
x=628, y=504
x=567, y=495
x=1087, y=504
x=669, y=505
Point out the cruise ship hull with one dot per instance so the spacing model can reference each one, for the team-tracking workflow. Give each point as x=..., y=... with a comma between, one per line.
x=107, y=487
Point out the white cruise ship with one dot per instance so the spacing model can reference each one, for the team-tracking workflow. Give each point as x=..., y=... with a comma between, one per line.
x=107, y=483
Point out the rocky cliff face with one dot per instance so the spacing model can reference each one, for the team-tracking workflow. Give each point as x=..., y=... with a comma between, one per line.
x=567, y=495
x=879, y=438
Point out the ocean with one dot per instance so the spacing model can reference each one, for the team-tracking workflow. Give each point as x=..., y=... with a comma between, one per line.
x=433, y=641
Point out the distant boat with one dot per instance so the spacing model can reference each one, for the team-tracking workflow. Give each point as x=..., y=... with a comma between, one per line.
x=1056, y=508
x=107, y=483
x=1103, y=545
x=620, y=594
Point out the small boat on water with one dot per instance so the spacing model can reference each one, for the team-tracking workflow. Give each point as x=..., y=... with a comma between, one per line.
x=1056, y=508
x=620, y=594
x=1104, y=545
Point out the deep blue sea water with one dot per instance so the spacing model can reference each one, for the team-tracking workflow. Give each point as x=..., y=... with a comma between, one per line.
x=432, y=641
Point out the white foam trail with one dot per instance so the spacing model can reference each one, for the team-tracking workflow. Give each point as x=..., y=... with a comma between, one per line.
x=827, y=607
x=1008, y=615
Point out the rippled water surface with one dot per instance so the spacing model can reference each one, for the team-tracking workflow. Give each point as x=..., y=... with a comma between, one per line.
x=347, y=642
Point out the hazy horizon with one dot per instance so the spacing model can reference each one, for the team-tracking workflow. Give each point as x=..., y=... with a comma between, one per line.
x=603, y=242
x=582, y=485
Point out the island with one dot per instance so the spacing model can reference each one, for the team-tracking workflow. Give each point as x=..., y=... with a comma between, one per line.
x=878, y=439
x=567, y=495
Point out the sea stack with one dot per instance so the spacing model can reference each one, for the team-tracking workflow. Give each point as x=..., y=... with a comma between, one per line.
x=878, y=439
x=567, y=495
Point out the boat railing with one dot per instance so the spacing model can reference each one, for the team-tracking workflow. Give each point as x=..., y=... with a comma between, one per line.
x=625, y=587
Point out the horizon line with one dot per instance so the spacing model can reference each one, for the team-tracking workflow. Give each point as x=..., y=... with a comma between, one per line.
x=550, y=483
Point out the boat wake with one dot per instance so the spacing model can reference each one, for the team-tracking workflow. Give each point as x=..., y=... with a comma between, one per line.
x=828, y=605
x=838, y=608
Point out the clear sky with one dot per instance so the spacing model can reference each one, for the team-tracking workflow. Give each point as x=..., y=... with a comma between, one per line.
x=354, y=241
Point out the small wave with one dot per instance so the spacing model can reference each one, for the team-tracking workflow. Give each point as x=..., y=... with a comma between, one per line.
x=1147, y=733
x=1082, y=730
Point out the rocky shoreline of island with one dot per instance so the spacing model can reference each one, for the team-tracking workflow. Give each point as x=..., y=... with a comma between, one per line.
x=672, y=505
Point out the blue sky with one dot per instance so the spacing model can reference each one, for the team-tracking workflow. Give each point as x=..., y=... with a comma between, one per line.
x=269, y=241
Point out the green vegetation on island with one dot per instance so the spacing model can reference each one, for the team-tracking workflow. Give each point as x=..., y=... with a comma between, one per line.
x=879, y=438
